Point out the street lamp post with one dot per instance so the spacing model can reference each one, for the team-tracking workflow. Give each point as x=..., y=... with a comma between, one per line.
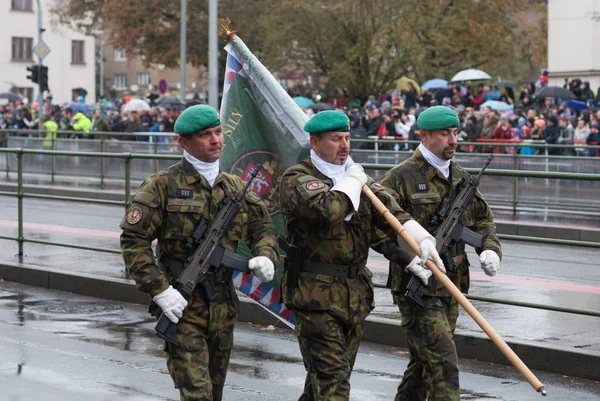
x=213, y=55
x=182, y=49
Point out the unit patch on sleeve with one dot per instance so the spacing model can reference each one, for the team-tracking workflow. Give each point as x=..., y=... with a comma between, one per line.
x=134, y=215
x=314, y=185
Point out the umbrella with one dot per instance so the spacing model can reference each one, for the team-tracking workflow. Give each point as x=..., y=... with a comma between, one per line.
x=497, y=105
x=136, y=105
x=322, y=106
x=169, y=102
x=470, y=75
x=436, y=83
x=302, y=101
x=11, y=96
x=505, y=84
x=80, y=107
x=576, y=105
x=555, y=91
x=402, y=84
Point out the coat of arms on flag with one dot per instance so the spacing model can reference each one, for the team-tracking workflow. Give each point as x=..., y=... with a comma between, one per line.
x=261, y=125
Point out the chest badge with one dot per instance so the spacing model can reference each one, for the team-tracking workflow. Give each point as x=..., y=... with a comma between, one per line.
x=134, y=215
x=421, y=187
x=314, y=185
x=184, y=193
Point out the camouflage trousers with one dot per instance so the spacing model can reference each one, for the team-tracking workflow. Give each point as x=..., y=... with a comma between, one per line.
x=432, y=373
x=329, y=343
x=199, y=365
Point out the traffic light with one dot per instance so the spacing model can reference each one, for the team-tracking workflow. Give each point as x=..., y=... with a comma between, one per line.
x=43, y=78
x=33, y=69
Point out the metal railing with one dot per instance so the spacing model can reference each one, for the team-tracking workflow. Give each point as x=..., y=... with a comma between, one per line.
x=129, y=157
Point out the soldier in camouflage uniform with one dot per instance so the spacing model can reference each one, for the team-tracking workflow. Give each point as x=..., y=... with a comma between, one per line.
x=334, y=226
x=421, y=183
x=167, y=207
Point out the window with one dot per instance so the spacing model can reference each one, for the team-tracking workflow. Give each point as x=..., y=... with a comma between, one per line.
x=21, y=5
x=120, y=55
x=120, y=81
x=26, y=93
x=77, y=52
x=143, y=78
x=22, y=49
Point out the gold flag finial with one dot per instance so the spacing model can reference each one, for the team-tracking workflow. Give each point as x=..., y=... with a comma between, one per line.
x=223, y=24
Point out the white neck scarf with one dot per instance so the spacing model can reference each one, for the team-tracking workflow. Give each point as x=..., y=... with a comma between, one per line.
x=442, y=165
x=333, y=171
x=210, y=171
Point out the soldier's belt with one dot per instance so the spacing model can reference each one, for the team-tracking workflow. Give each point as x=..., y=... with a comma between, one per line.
x=350, y=271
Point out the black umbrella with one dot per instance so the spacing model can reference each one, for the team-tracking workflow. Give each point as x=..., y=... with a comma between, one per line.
x=11, y=96
x=322, y=106
x=170, y=102
x=555, y=91
x=505, y=84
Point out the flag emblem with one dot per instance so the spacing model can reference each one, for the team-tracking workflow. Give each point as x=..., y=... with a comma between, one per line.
x=134, y=215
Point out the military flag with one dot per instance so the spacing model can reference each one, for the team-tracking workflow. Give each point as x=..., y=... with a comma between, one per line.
x=261, y=125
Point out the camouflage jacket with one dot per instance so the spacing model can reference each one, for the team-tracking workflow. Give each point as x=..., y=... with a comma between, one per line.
x=314, y=220
x=169, y=205
x=419, y=189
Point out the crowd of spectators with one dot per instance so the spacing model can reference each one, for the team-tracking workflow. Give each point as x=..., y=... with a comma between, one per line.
x=390, y=115
x=529, y=118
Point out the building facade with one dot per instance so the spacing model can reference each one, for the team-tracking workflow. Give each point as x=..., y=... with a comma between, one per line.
x=70, y=62
x=574, y=41
x=125, y=74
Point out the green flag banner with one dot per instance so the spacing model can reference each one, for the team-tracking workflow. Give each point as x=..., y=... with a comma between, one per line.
x=261, y=125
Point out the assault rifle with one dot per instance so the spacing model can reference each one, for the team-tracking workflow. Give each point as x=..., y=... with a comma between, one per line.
x=448, y=229
x=208, y=254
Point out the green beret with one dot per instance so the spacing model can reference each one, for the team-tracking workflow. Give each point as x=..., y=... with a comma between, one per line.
x=437, y=117
x=328, y=120
x=196, y=118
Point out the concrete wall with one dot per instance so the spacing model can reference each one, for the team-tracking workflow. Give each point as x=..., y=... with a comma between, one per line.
x=63, y=76
x=574, y=41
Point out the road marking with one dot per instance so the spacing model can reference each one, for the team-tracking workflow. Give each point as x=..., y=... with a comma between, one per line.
x=518, y=280
x=62, y=229
x=373, y=265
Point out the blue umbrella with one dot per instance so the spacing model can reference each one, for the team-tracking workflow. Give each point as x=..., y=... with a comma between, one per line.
x=576, y=105
x=81, y=107
x=302, y=101
x=436, y=83
x=497, y=105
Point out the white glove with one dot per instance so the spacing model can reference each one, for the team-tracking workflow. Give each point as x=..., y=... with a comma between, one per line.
x=172, y=303
x=351, y=184
x=262, y=267
x=418, y=270
x=490, y=262
x=426, y=243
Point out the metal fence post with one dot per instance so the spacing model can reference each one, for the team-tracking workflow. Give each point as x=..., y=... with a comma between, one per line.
x=7, y=162
x=515, y=180
x=53, y=168
x=155, y=152
x=20, y=238
x=102, y=163
x=127, y=178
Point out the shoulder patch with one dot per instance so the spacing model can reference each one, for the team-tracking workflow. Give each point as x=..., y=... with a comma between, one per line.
x=134, y=215
x=314, y=185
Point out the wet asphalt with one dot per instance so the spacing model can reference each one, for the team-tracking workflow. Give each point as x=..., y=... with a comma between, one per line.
x=60, y=346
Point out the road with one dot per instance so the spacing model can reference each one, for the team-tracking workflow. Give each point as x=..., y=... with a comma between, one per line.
x=59, y=346
x=544, y=274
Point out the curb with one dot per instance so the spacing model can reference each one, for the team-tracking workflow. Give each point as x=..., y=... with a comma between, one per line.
x=553, y=358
